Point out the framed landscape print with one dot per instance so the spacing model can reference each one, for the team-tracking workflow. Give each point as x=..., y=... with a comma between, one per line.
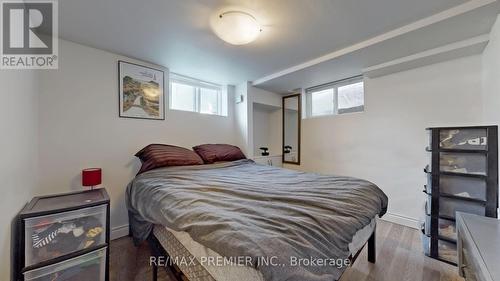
x=141, y=91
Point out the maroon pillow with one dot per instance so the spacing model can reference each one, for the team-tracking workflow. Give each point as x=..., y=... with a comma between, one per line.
x=211, y=153
x=160, y=155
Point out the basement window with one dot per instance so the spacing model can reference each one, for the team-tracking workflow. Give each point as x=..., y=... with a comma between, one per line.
x=189, y=94
x=340, y=97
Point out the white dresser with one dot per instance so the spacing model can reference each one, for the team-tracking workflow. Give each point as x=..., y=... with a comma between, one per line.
x=478, y=247
x=271, y=160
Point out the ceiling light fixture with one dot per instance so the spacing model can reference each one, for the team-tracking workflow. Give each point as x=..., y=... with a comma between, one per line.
x=236, y=27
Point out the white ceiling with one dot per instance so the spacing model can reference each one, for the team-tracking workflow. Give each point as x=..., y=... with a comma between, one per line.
x=448, y=31
x=176, y=33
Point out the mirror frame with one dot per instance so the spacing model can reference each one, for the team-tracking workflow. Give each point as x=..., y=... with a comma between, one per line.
x=299, y=116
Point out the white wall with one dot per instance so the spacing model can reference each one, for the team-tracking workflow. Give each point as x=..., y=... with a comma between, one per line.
x=80, y=127
x=242, y=119
x=244, y=114
x=19, y=143
x=267, y=128
x=491, y=75
x=272, y=129
x=491, y=78
x=264, y=97
x=386, y=143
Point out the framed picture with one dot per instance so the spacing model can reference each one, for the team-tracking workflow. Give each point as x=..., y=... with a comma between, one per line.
x=141, y=91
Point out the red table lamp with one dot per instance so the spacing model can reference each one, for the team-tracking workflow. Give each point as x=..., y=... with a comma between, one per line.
x=91, y=177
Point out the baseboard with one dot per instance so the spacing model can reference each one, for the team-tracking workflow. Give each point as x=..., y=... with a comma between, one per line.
x=119, y=231
x=402, y=220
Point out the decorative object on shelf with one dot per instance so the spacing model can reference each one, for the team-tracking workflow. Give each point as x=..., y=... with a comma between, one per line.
x=462, y=176
x=265, y=151
x=91, y=177
x=287, y=149
x=141, y=91
x=236, y=27
x=63, y=237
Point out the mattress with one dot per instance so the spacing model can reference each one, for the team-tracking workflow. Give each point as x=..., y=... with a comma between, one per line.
x=181, y=247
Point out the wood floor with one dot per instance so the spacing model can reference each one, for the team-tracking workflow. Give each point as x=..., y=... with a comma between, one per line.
x=399, y=258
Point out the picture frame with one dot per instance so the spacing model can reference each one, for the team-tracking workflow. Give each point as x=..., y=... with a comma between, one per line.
x=141, y=91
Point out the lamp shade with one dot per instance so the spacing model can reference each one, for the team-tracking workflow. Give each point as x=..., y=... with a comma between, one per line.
x=91, y=176
x=236, y=27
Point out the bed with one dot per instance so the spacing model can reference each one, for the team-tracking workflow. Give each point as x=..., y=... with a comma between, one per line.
x=271, y=223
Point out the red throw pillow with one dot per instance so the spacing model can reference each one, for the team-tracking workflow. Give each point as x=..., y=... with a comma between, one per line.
x=161, y=155
x=211, y=153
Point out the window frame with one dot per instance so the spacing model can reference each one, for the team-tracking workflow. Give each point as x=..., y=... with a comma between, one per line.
x=335, y=100
x=198, y=86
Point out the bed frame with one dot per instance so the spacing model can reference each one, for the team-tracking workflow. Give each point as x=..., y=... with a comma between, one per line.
x=157, y=250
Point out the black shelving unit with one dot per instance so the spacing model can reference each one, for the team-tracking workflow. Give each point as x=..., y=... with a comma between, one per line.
x=64, y=236
x=462, y=176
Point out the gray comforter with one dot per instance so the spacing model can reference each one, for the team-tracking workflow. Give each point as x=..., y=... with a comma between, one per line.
x=244, y=209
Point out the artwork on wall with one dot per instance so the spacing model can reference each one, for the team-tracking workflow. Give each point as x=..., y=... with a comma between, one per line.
x=141, y=91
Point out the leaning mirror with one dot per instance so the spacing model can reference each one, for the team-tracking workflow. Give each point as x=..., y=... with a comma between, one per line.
x=291, y=129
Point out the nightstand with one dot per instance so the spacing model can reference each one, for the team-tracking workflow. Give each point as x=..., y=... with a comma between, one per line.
x=64, y=236
x=270, y=160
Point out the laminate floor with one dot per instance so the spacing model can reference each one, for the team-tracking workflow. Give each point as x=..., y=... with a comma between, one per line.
x=399, y=258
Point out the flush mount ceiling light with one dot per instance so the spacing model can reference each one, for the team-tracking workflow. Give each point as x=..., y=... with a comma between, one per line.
x=236, y=27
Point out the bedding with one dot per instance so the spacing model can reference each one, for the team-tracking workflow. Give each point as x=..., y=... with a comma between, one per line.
x=161, y=155
x=211, y=153
x=241, y=209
